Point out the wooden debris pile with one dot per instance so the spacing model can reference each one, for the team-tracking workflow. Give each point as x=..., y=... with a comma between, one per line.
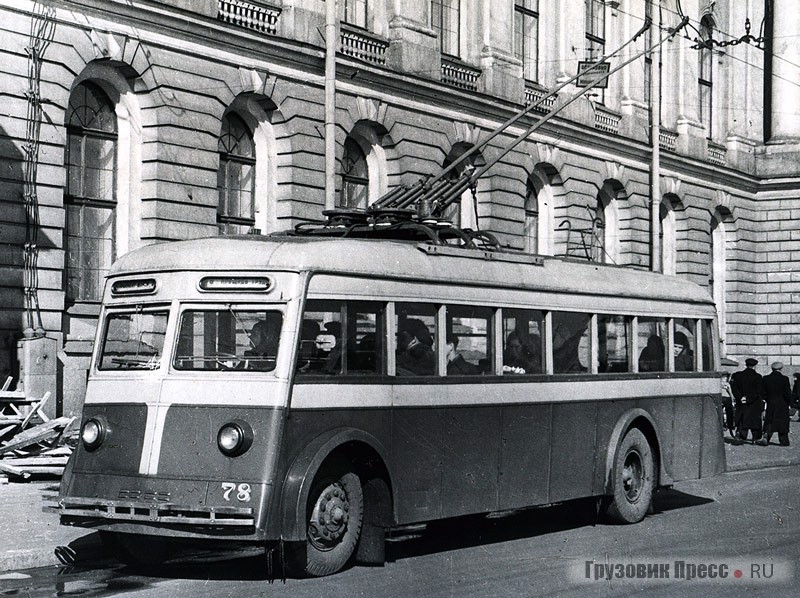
x=30, y=442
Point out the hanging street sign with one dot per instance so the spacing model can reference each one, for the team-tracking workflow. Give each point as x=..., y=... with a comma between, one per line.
x=597, y=72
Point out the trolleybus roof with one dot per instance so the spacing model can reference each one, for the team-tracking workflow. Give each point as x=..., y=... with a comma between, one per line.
x=407, y=260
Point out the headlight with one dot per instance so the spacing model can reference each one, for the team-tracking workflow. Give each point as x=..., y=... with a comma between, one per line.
x=234, y=438
x=93, y=433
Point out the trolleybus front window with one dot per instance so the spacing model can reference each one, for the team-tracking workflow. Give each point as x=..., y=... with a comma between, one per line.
x=228, y=339
x=133, y=340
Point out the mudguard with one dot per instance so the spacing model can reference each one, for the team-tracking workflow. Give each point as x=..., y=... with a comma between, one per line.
x=300, y=476
x=622, y=426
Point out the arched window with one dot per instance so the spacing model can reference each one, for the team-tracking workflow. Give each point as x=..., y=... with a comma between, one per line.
x=90, y=197
x=667, y=236
x=717, y=269
x=539, y=209
x=464, y=211
x=355, y=176
x=531, y=218
x=607, y=233
x=236, y=177
x=705, y=77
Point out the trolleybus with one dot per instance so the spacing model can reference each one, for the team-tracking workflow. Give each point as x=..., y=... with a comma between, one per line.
x=311, y=392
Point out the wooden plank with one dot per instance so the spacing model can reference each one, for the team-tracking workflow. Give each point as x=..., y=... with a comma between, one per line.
x=5, y=467
x=24, y=462
x=48, y=469
x=36, y=409
x=57, y=451
x=50, y=429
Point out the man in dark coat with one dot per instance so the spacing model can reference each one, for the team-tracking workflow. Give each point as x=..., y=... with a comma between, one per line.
x=747, y=388
x=456, y=364
x=778, y=394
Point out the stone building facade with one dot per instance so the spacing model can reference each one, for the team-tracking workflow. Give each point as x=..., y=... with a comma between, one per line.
x=131, y=122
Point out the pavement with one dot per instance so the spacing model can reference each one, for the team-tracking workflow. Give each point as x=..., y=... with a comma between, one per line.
x=30, y=538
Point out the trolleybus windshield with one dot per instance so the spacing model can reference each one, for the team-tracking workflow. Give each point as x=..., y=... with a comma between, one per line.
x=228, y=338
x=134, y=340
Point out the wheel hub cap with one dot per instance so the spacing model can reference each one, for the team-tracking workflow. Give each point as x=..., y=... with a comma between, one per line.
x=632, y=476
x=329, y=517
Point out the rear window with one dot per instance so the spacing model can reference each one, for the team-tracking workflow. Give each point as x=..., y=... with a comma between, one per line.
x=228, y=339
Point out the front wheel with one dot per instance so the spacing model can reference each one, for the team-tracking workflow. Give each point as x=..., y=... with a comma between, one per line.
x=333, y=522
x=633, y=479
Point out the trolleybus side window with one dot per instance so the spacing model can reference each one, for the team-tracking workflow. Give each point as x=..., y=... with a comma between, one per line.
x=341, y=337
x=683, y=345
x=708, y=345
x=613, y=343
x=572, y=348
x=415, y=324
x=229, y=338
x=652, y=336
x=134, y=340
x=523, y=341
x=468, y=342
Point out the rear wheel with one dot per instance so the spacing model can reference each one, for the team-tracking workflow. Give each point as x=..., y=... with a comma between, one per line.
x=633, y=479
x=333, y=522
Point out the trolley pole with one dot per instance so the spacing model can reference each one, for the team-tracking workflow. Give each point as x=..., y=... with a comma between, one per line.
x=330, y=104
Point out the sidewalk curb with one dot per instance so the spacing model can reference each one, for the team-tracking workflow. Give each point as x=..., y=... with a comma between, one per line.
x=29, y=558
x=770, y=465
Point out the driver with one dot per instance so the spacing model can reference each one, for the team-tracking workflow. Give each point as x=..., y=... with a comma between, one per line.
x=264, y=337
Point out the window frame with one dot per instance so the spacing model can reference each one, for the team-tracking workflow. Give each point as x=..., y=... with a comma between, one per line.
x=446, y=24
x=705, y=77
x=225, y=218
x=523, y=13
x=81, y=133
x=350, y=14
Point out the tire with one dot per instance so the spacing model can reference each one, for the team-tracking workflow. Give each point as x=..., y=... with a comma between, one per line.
x=137, y=550
x=334, y=516
x=634, y=474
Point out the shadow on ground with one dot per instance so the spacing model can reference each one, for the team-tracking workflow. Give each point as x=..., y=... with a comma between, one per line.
x=407, y=542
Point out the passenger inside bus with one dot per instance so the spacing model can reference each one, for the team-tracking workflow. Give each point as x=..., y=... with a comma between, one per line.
x=365, y=357
x=329, y=346
x=415, y=356
x=684, y=356
x=651, y=359
x=522, y=355
x=456, y=364
x=264, y=337
x=309, y=329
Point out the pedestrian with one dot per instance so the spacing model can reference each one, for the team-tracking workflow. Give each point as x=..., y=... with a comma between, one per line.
x=747, y=388
x=778, y=394
x=727, y=404
x=795, y=407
